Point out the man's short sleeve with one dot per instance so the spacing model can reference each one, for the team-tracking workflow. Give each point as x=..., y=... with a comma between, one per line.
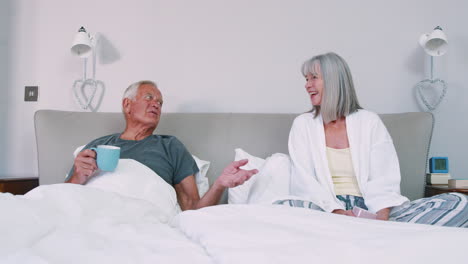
x=183, y=162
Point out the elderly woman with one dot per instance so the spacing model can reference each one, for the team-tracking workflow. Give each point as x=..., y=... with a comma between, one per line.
x=344, y=157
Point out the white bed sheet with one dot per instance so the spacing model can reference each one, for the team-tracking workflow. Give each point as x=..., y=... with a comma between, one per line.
x=279, y=234
x=68, y=223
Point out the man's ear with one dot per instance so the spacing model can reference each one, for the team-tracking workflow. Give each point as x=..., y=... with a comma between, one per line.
x=126, y=103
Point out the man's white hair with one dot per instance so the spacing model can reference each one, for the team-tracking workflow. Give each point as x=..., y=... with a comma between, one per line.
x=132, y=90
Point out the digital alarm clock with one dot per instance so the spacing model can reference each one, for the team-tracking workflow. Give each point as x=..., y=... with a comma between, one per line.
x=439, y=165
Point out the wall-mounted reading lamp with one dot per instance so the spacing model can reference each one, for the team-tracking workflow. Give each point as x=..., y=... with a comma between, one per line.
x=434, y=44
x=84, y=45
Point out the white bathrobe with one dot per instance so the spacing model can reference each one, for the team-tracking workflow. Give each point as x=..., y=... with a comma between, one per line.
x=373, y=155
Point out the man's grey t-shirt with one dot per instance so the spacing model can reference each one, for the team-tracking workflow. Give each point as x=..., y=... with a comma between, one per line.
x=165, y=155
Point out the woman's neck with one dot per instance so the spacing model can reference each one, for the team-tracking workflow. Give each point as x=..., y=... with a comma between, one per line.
x=335, y=134
x=336, y=123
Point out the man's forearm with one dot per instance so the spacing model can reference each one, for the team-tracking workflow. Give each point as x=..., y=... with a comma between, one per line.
x=211, y=197
x=232, y=176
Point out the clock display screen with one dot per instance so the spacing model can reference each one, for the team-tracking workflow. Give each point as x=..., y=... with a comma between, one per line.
x=440, y=164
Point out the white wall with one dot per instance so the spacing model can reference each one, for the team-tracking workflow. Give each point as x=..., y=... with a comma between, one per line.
x=5, y=78
x=228, y=56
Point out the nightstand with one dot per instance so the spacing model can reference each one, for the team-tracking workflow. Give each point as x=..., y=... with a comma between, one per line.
x=18, y=185
x=432, y=190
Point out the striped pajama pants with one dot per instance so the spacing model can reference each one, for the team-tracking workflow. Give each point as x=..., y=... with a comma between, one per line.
x=448, y=209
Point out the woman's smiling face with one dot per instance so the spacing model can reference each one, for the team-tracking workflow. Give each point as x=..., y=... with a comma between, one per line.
x=314, y=86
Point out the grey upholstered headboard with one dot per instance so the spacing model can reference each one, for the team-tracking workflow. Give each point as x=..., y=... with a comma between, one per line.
x=214, y=136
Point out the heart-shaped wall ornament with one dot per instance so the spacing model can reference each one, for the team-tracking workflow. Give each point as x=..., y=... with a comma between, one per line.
x=431, y=92
x=84, y=91
x=97, y=96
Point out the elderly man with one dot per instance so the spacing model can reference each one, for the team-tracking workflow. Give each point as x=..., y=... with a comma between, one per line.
x=165, y=155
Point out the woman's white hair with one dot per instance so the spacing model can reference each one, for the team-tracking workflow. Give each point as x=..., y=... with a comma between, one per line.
x=132, y=90
x=338, y=97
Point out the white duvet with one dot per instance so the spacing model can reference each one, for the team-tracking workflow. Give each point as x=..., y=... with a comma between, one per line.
x=280, y=234
x=67, y=223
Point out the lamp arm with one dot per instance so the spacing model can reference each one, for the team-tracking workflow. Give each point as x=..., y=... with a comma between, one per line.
x=432, y=68
x=84, y=68
x=94, y=39
x=94, y=63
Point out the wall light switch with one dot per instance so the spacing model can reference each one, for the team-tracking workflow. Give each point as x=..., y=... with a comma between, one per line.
x=31, y=93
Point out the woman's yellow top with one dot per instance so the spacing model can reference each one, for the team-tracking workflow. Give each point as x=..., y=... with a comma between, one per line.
x=342, y=172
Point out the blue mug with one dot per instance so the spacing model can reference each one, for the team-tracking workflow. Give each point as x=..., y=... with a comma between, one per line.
x=107, y=157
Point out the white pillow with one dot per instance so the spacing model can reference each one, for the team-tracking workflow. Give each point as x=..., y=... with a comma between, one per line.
x=202, y=181
x=135, y=180
x=271, y=182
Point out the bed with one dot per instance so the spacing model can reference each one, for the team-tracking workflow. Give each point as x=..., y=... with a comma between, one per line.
x=66, y=223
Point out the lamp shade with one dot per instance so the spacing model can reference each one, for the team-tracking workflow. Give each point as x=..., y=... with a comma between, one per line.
x=81, y=44
x=435, y=43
